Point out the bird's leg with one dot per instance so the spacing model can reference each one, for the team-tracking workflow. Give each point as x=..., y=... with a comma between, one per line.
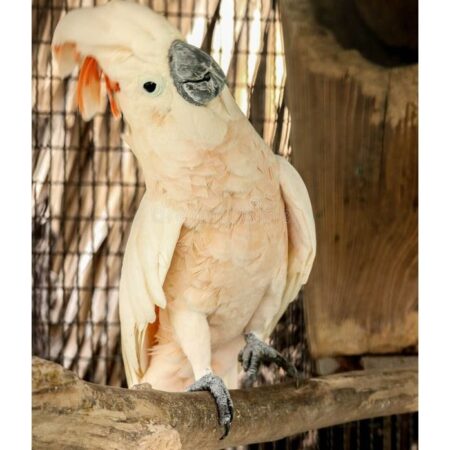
x=192, y=331
x=255, y=353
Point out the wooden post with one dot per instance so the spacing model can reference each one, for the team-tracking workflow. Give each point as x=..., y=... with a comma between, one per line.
x=70, y=413
x=354, y=139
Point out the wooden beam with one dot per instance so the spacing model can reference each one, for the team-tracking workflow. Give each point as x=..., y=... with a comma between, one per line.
x=71, y=413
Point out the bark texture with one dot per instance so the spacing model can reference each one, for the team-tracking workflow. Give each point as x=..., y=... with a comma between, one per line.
x=69, y=413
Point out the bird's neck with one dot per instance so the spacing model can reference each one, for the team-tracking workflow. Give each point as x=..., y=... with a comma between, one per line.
x=224, y=178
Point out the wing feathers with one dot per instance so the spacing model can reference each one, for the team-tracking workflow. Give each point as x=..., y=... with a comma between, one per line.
x=301, y=233
x=153, y=237
x=300, y=219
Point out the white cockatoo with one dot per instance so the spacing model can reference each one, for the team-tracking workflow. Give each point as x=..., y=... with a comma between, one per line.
x=224, y=236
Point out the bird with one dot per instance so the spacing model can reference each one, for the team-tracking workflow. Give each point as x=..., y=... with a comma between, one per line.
x=224, y=236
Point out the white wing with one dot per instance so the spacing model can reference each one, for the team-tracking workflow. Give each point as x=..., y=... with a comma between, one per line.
x=151, y=244
x=301, y=233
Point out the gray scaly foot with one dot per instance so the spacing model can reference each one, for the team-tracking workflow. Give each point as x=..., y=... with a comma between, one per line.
x=255, y=353
x=218, y=390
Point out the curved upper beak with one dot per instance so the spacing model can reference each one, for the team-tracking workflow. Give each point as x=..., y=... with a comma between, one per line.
x=197, y=77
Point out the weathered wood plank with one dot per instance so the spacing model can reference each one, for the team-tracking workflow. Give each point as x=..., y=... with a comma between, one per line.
x=354, y=138
x=70, y=413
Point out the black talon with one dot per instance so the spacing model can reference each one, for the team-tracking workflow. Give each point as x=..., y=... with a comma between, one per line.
x=255, y=353
x=227, y=427
x=213, y=384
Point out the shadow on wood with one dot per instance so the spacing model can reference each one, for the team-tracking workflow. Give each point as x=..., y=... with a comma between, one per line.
x=71, y=413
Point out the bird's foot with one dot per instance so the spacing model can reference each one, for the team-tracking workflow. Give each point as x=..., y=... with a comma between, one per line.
x=142, y=387
x=218, y=390
x=255, y=353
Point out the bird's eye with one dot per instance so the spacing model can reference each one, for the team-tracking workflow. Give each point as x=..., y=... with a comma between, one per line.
x=150, y=86
x=153, y=84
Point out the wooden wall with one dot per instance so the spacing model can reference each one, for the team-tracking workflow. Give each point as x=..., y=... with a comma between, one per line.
x=354, y=138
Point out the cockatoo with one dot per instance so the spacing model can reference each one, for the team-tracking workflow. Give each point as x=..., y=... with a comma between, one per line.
x=224, y=236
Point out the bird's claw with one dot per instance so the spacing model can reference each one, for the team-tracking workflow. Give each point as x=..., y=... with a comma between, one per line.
x=226, y=426
x=222, y=398
x=255, y=353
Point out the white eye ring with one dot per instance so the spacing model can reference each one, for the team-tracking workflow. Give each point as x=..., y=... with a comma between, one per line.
x=153, y=87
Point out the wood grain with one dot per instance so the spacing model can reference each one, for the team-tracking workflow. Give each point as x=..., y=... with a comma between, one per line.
x=354, y=137
x=70, y=413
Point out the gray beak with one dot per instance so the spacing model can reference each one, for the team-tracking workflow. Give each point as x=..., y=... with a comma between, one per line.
x=197, y=77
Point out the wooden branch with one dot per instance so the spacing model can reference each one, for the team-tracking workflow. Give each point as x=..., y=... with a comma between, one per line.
x=71, y=413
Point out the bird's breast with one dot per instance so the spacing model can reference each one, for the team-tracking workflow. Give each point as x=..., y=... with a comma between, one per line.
x=234, y=239
x=224, y=269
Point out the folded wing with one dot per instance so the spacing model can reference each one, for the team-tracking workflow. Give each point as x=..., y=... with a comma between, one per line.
x=301, y=233
x=151, y=244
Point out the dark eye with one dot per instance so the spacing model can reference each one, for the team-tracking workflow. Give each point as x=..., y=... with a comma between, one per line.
x=150, y=86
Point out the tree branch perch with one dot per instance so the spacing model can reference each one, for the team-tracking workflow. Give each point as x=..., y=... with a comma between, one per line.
x=69, y=413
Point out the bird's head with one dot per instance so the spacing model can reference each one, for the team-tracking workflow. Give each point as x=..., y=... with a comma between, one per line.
x=151, y=76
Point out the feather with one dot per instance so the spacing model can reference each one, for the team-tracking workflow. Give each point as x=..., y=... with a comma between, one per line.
x=153, y=237
x=117, y=25
x=301, y=234
x=112, y=87
x=88, y=88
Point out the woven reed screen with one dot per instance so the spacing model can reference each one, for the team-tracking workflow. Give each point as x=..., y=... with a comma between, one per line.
x=86, y=187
